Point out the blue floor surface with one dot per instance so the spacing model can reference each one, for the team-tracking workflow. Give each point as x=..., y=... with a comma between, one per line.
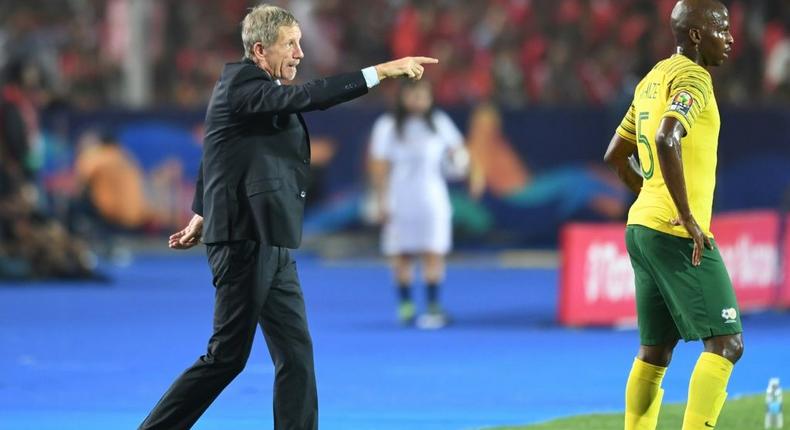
x=89, y=357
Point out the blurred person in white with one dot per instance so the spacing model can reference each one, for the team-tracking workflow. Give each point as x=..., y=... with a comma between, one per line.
x=412, y=150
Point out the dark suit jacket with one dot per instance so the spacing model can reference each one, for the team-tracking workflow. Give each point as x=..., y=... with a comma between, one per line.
x=256, y=153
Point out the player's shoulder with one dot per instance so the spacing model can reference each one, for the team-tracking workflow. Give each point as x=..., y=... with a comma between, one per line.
x=680, y=66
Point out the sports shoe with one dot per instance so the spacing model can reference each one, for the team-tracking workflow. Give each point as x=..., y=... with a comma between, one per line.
x=434, y=319
x=406, y=312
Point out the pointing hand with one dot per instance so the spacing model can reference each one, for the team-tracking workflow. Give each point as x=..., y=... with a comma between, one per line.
x=411, y=67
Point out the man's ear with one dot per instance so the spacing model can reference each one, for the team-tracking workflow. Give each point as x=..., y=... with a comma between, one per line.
x=695, y=36
x=258, y=51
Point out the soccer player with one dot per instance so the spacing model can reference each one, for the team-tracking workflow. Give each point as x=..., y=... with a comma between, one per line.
x=682, y=287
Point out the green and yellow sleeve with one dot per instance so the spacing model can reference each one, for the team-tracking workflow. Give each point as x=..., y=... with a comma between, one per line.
x=627, y=127
x=689, y=92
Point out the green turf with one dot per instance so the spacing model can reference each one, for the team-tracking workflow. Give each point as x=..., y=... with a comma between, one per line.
x=744, y=413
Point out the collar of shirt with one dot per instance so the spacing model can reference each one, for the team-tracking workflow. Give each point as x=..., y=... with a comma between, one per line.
x=249, y=61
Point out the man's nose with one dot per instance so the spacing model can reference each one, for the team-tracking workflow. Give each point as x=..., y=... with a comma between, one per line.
x=298, y=53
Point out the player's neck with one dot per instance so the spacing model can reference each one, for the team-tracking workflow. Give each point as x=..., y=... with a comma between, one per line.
x=690, y=53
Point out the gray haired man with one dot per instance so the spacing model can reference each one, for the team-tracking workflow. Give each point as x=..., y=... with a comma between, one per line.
x=248, y=205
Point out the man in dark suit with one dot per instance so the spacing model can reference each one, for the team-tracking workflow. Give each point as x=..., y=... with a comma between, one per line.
x=249, y=204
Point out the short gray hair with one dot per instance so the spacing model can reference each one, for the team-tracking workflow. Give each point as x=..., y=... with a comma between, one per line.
x=262, y=24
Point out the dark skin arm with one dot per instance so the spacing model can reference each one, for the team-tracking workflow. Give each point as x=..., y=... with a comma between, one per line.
x=617, y=157
x=668, y=136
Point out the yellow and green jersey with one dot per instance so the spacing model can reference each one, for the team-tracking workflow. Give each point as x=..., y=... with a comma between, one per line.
x=678, y=88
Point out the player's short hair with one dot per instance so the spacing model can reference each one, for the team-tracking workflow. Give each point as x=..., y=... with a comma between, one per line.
x=262, y=24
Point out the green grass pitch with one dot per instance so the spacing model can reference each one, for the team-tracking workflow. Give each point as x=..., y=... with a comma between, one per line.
x=743, y=413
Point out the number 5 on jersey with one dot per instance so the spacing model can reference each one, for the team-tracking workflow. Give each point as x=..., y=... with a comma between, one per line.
x=647, y=174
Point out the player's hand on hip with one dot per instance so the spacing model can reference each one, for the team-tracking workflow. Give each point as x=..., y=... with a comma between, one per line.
x=189, y=236
x=701, y=241
x=410, y=67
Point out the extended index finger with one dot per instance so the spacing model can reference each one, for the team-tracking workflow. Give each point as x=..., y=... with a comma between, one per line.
x=426, y=60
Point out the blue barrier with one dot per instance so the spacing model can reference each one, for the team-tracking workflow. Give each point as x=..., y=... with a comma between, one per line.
x=560, y=147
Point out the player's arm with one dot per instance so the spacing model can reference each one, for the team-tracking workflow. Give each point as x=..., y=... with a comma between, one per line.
x=618, y=157
x=621, y=148
x=670, y=159
x=379, y=178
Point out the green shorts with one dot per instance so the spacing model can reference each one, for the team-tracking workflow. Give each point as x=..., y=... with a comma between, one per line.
x=675, y=299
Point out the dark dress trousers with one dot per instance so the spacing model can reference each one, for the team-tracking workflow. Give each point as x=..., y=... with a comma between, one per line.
x=251, y=193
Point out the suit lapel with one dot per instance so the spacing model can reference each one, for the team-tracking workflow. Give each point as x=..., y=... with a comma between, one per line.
x=268, y=77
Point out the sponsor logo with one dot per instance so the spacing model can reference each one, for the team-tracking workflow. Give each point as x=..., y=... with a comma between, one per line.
x=729, y=315
x=682, y=103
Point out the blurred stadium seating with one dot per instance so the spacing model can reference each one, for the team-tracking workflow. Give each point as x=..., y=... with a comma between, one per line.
x=572, y=63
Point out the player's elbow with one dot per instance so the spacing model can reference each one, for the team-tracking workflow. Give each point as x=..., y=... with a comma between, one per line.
x=608, y=156
x=619, y=150
x=661, y=138
x=613, y=159
x=665, y=142
x=667, y=139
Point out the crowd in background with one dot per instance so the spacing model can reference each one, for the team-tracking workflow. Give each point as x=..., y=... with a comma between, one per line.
x=514, y=52
x=33, y=243
x=494, y=55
